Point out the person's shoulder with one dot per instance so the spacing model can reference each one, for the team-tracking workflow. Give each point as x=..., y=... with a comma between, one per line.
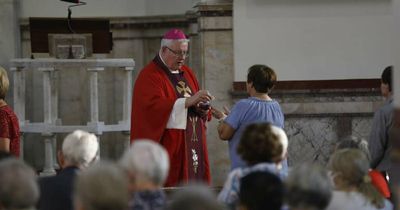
x=47, y=181
x=64, y=177
x=244, y=102
x=236, y=173
x=6, y=111
x=388, y=107
x=3, y=111
x=150, y=72
x=150, y=68
x=273, y=103
x=385, y=110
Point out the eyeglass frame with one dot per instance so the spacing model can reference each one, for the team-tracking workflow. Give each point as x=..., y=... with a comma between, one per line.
x=177, y=54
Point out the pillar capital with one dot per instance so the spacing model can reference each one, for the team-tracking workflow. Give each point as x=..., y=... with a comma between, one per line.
x=214, y=8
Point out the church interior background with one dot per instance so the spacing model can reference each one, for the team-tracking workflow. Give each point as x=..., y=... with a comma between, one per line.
x=328, y=56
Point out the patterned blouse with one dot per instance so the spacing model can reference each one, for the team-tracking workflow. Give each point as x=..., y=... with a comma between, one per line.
x=9, y=128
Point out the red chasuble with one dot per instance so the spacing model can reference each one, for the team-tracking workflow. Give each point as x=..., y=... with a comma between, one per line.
x=155, y=92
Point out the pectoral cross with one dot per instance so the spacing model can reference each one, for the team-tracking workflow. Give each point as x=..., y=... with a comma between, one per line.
x=183, y=89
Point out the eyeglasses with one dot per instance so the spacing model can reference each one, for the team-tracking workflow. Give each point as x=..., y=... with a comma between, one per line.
x=180, y=53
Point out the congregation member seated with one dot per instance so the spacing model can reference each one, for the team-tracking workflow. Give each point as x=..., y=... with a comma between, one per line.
x=260, y=191
x=147, y=165
x=194, y=197
x=263, y=146
x=79, y=151
x=18, y=185
x=353, y=189
x=308, y=187
x=377, y=179
x=101, y=187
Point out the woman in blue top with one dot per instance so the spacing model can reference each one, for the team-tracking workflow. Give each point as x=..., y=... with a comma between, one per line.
x=259, y=107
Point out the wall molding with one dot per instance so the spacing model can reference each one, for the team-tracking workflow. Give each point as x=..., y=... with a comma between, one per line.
x=316, y=85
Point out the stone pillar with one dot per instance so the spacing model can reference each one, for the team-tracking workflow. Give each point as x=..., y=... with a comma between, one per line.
x=216, y=73
x=9, y=33
x=10, y=45
x=48, y=119
x=94, y=101
x=127, y=104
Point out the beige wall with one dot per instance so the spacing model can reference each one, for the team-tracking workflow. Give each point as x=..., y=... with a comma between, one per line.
x=212, y=58
x=313, y=39
x=10, y=46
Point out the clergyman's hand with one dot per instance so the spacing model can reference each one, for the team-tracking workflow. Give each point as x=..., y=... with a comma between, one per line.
x=201, y=96
x=202, y=110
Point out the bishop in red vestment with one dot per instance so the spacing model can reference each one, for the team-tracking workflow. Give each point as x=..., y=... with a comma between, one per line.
x=167, y=108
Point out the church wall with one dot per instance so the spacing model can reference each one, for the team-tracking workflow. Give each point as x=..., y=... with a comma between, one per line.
x=315, y=118
x=312, y=39
x=9, y=37
x=105, y=8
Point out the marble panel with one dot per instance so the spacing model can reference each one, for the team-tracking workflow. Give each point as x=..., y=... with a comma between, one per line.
x=361, y=126
x=327, y=107
x=325, y=97
x=313, y=139
x=310, y=139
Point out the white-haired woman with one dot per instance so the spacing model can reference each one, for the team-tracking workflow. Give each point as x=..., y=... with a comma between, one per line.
x=79, y=151
x=147, y=165
x=353, y=189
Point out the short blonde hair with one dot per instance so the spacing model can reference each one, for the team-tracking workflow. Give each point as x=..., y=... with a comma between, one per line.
x=4, y=83
x=353, y=167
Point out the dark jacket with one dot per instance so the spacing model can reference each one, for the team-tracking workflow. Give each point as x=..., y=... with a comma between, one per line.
x=56, y=191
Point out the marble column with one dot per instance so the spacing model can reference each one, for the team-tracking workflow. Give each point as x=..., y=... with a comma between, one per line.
x=9, y=33
x=48, y=118
x=214, y=26
x=10, y=44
